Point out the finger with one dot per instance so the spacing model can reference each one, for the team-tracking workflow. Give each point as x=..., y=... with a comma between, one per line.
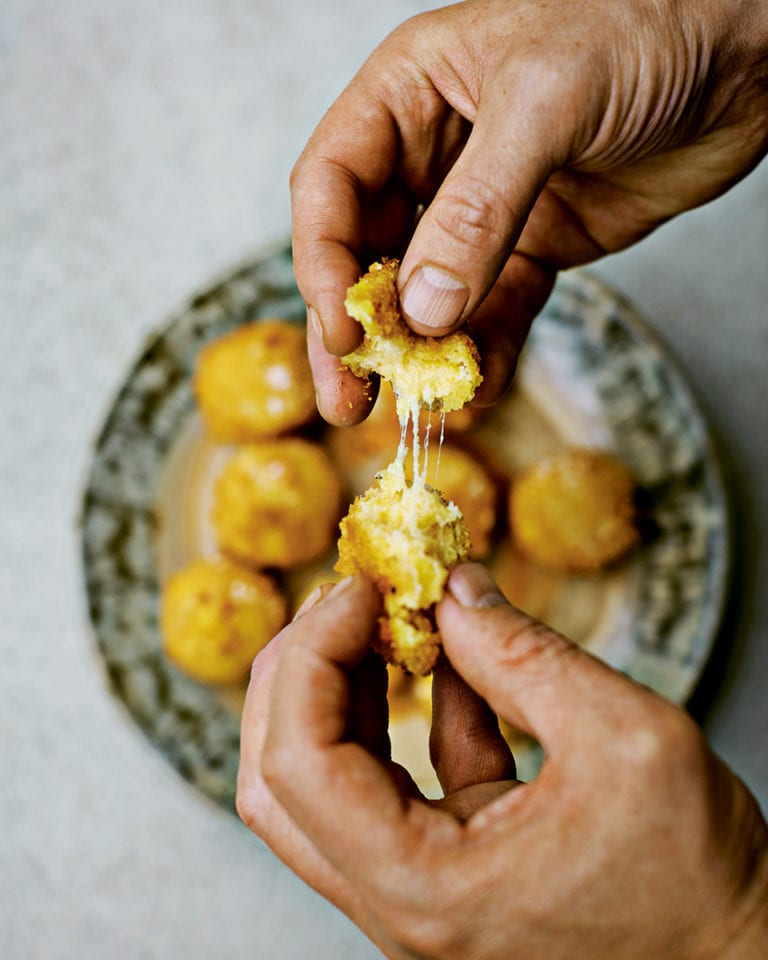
x=465, y=744
x=369, y=708
x=389, y=218
x=334, y=790
x=501, y=323
x=352, y=154
x=468, y=232
x=256, y=805
x=342, y=398
x=464, y=803
x=529, y=675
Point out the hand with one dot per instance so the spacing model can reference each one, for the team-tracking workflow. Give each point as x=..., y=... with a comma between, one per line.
x=635, y=841
x=537, y=136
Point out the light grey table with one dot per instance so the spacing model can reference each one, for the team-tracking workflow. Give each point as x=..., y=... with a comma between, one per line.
x=144, y=148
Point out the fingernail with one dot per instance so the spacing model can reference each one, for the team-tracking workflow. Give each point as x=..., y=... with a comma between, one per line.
x=310, y=602
x=343, y=585
x=434, y=298
x=474, y=588
x=329, y=589
x=316, y=324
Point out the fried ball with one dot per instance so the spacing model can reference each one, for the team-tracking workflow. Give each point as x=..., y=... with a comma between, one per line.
x=255, y=382
x=405, y=538
x=438, y=373
x=216, y=616
x=574, y=511
x=276, y=504
x=462, y=479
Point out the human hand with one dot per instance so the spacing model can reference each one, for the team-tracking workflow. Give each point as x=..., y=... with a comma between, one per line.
x=537, y=136
x=635, y=841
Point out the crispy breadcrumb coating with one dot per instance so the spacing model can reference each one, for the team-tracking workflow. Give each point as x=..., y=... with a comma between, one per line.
x=464, y=480
x=277, y=503
x=405, y=538
x=255, y=382
x=402, y=533
x=574, y=511
x=216, y=616
x=442, y=373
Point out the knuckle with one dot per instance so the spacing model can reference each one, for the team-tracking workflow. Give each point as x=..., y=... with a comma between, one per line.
x=535, y=642
x=277, y=768
x=425, y=934
x=296, y=173
x=669, y=739
x=245, y=808
x=680, y=737
x=250, y=803
x=301, y=172
x=472, y=214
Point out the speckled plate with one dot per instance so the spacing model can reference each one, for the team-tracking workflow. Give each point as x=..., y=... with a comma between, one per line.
x=592, y=374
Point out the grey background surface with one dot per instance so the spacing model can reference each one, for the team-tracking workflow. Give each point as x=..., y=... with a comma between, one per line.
x=145, y=148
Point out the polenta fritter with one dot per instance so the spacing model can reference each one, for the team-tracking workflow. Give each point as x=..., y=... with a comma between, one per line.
x=574, y=511
x=216, y=616
x=255, y=382
x=276, y=504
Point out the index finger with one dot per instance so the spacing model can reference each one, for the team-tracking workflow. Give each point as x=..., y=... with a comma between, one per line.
x=334, y=789
x=352, y=153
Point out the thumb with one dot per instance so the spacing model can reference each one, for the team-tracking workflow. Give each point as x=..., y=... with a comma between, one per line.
x=530, y=675
x=469, y=230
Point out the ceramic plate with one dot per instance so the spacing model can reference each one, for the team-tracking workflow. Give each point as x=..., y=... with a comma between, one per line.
x=592, y=375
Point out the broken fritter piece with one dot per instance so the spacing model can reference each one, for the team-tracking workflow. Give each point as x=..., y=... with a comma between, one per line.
x=440, y=373
x=405, y=538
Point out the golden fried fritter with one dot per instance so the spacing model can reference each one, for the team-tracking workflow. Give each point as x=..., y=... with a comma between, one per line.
x=462, y=479
x=438, y=373
x=216, y=616
x=403, y=535
x=255, y=382
x=574, y=511
x=405, y=538
x=276, y=504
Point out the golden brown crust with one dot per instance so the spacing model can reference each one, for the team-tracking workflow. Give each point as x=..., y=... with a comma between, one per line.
x=216, y=616
x=465, y=481
x=439, y=373
x=276, y=504
x=255, y=382
x=574, y=511
x=405, y=538
x=401, y=533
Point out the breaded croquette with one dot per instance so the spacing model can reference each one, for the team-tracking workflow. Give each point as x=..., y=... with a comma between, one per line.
x=574, y=511
x=403, y=535
x=461, y=478
x=440, y=373
x=405, y=538
x=255, y=382
x=276, y=504
x=216, y=616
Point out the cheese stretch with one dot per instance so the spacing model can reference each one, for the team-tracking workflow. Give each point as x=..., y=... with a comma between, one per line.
x=402, y=533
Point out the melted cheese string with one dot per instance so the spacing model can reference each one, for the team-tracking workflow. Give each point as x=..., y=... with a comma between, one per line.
x=409, y=412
